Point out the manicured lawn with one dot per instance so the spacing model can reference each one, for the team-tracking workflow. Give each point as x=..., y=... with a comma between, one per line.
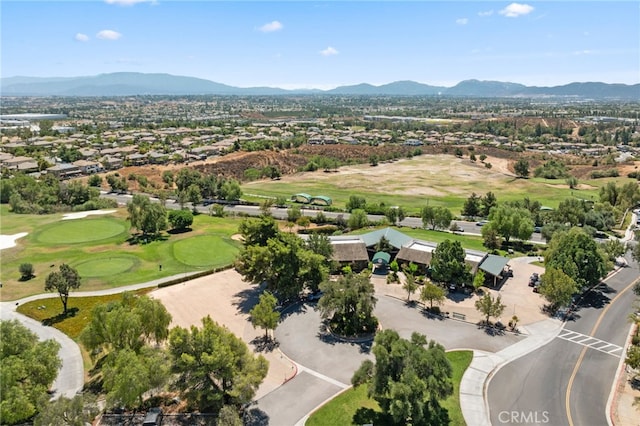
x=50, y=310
x=80, y=231
x=206, y=251
x=460, y=361
x=340, y=410
x=100, y=249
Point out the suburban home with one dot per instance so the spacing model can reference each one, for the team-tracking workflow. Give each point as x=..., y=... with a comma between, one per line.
x=64, y=170
x=88, y=167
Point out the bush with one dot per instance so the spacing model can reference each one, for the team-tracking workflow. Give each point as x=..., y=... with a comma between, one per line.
x=180, y=219
x=26, y=271
x=597, y=174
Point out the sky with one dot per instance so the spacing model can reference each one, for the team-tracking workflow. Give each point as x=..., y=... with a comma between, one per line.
x=315, y=44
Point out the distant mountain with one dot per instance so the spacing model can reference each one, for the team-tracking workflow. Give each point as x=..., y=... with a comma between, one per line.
x=130, y=83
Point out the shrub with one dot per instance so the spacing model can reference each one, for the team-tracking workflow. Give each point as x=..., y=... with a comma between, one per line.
x=26, y=271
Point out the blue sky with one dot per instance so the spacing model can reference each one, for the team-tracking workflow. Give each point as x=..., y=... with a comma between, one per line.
x=296, y=44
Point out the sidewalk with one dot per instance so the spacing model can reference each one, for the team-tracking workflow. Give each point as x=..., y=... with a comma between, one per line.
x=484, y=365
x=70, y=378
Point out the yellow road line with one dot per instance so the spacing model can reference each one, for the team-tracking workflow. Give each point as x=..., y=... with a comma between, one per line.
x=584, y=351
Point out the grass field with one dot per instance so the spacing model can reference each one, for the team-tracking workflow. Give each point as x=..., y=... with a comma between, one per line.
x=98, y=247
x=50, y=310
x=341, y=409
x=443, y=180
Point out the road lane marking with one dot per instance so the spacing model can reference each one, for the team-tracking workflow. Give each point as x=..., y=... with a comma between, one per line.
x=567, y=397
x=583, y=339
x=323, y=377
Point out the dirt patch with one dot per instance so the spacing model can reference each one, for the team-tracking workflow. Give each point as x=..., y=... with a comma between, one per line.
x=227, y=299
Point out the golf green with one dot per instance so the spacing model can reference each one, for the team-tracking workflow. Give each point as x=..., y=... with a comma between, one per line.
x=205, y=250
x=80, y=231
x=105, y=266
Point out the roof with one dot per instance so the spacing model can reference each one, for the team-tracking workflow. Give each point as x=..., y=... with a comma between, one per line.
x=396, y=238
x=494, y=264
x=381, y=257
x=302, y=195
x=322, y=198
x=349, y=251
x=417, y=252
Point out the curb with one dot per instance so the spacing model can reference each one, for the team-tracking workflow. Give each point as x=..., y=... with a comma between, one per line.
x=616, y=386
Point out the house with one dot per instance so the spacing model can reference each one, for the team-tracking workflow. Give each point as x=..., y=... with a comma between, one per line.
x=64, y=170
x=88, y=167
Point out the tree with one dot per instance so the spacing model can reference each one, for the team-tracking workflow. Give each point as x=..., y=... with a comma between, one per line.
x=557, y=287
x=229, y=416
x=355, y=202
x=27, y=369
x=320, y=244
x=576, y=254
x=294, y=213
x=63, y=281
x=180, y=220
x=572, y=182
x=478, y=279
x=94, y=180
x=490, y=238
x=348, y=304
x=489, y=307
x=488, y=202
x=26, y=271
x=410, y=286
x=635, y=253
x=154, y=220
x=571, y=211
x=284, y=264
x=303, y=221
x=436, y=217
x=471, y=207
x=358, y=219
x=215, y=367
x=77, y=411
x=230, y=190
x=264, y=313
x=511, y=222
x=613, y=249
x=408, y=380
x=127, y=324
x=447, y=264
x=194, y=195
x=521, y=168
x=258, y=231
x=432, y=293
x=185, y=178
x=395, y=214
x=128, y=375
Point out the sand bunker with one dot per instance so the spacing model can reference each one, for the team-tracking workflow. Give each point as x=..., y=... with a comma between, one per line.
x=8, y=241
x=80, y=215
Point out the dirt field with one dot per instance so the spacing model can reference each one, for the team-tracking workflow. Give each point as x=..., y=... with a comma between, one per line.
x=227, y=299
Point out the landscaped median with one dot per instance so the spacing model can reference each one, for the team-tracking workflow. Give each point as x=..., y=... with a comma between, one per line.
x=341, y=409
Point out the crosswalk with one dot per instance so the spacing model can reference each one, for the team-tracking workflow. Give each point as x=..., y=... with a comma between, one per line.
x=591, y=342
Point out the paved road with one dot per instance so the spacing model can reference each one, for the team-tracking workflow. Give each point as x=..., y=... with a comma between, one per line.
x=326, y=365
x=534, y=389
x=470, y=228
x=70, y=379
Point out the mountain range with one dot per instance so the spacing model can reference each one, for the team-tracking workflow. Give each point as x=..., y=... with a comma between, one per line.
x=132, y=84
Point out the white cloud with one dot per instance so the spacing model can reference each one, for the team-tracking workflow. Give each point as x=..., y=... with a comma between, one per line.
x=271, y=27
x=485, y=13
x=516, y=9
x=329, y=51
x=583, y=52
x=128, y=2
x=462, y=21
x=81, y=37
x=108, y=35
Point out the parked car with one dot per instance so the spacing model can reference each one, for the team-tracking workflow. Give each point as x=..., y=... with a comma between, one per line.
x=533, y=279
x=482, y=222
x=153, y=417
